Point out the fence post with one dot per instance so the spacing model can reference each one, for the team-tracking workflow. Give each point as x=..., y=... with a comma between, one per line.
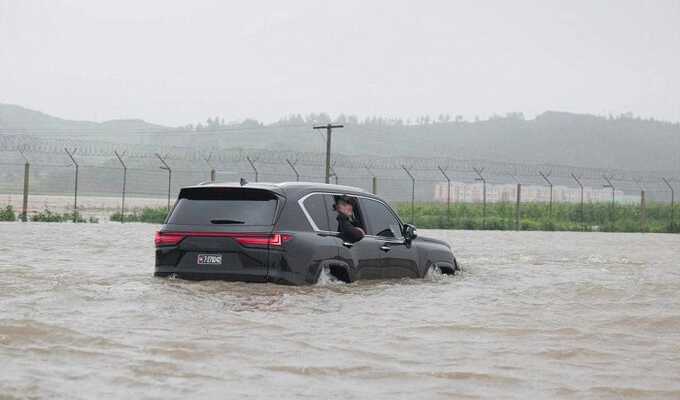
x=252, y=165
x=611, y=185
x=24, y=204
x=545, y=178
x=374, y=180
x=479, y=171
x=448, y=196
x=413, y=194
x=672, y=203
x=75, y=188
x=643, y=212
x=643, y=208
x=292, y=166
x=517, y=202
x=212, y=168
x=122, y=200
x=167, y=168
x=578, y=181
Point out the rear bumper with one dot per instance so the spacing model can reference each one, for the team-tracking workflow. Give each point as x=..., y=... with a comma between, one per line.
x=215, y=274
x=208, y=274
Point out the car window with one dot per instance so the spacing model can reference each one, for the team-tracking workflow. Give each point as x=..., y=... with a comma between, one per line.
x=224, y=206
x=318, y=211
x=358, y=215
x=381, y=220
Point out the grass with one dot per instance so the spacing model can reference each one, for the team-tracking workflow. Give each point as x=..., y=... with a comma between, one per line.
x=8, y=214
x=49, y=216
x=536, y=216
x=501, y=216
x=147, y=214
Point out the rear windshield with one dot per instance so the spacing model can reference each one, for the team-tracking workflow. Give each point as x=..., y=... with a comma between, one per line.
x=224, y=206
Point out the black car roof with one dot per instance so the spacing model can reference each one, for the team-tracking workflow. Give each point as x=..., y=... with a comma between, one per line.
x=285, y=188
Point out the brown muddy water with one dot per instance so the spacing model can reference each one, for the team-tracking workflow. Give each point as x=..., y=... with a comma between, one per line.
x=534, y=315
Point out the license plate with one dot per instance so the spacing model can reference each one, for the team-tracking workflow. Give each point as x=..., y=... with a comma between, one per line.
x=209, y=259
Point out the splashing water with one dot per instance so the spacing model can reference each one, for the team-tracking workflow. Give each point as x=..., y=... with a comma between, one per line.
x=435, y=274
x=328, y=279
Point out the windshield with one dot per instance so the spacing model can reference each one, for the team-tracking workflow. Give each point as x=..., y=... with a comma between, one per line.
x=224, y=206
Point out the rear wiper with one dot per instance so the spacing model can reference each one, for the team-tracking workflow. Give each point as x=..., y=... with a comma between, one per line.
x=226, y=221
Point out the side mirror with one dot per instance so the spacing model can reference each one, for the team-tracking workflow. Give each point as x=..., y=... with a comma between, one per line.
x=409, y=232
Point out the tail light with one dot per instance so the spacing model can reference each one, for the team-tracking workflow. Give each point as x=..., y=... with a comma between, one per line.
x=168, y=238
x=244, y=239
x=273, y=240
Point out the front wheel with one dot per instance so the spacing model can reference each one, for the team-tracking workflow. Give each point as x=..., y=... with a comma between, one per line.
x=434, y=273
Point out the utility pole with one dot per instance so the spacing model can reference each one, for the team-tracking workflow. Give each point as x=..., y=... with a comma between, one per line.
x=333, y=173
x=75, y=188
x=329, y=130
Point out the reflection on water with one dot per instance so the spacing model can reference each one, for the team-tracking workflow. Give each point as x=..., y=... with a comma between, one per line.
x=556, y=315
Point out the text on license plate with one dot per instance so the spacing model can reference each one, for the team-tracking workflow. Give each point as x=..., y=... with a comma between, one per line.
x=209, y=259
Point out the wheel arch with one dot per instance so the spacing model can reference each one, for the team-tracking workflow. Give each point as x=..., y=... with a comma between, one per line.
x=339, y=269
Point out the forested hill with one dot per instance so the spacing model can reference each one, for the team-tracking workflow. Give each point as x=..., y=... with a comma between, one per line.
x=16, y=119
x=624, y=142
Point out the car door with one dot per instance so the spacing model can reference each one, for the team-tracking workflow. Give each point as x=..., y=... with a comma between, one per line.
x=398, y=257
x=363, y=257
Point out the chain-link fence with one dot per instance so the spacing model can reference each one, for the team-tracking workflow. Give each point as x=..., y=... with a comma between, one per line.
x=90, y=176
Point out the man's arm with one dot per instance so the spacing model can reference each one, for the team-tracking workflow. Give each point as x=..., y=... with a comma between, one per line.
x=348, y=231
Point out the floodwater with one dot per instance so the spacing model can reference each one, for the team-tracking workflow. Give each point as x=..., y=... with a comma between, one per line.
x=533, y=315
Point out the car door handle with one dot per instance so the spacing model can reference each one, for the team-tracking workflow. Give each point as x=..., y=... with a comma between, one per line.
x=347, y=244
x=385, y=247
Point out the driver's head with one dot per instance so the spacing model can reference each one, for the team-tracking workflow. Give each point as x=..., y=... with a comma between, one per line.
x=344, y=205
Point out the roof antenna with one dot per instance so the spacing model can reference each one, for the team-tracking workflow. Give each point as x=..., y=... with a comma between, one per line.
x=243, y=182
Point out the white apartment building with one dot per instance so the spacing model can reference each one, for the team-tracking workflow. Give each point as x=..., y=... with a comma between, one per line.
x=474, y=193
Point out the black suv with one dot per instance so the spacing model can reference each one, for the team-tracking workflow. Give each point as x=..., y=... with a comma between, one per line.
x=287, y=233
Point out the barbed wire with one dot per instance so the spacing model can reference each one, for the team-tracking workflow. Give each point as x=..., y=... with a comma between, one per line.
x=31, y=145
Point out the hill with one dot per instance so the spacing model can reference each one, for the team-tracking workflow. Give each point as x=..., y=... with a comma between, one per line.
x=622, y=142
x=17, y=119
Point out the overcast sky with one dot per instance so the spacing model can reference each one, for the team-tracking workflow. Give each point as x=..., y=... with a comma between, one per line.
x=178, y=62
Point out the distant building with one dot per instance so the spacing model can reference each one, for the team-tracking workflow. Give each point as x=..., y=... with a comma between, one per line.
x=474, y=193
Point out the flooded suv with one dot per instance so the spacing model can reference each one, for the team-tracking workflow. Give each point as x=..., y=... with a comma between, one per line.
x=287, y=233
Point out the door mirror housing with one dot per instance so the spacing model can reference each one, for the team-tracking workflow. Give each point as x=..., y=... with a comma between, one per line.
x=409, y=232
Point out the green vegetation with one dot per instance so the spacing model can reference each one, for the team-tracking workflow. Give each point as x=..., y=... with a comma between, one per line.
x=535, y=216
x=147, y=214
x=8, y=214
x=501, y=216
x=48, y=216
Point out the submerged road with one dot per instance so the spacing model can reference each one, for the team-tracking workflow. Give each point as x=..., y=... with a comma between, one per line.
x=534, y=315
